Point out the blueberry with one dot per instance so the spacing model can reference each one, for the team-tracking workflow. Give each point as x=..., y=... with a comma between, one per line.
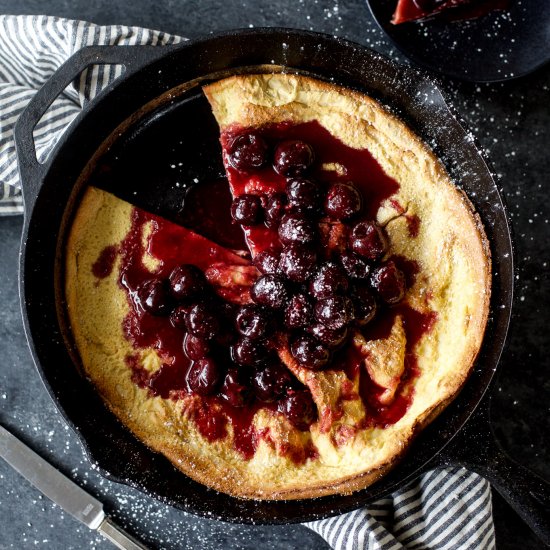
x=195, y=348
x=247, y=209
x=248, y=152
x=297, y=262
x=329, y=279
x=389, y=282
x=235, y=389
x=177, y=317
x=368, y=240
x=309, y=352
x=248, y=353
x=272, y=382
x=252, y=321
x=201, y=321
x=303, y=195
x=335, y=312
x=299, y=408
x=297, y=228
x=293, y=157
x=270, y=291
x=267, y=261
x=186, y=282
x=355, y=266
x=204, y=376
x=364, y=305
x=299, y=312
x=275, y=206
x=154, y=297
x=332, y=338
x=343, y=201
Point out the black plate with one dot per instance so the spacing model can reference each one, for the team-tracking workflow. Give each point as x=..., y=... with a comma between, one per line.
x=499, y=46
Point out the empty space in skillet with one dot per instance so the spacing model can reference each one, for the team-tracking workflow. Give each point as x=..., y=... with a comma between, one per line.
x=498, y=46
x=156, y=163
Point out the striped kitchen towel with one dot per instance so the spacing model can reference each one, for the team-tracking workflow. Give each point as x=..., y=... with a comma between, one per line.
x=31, y=49
x=444, y=509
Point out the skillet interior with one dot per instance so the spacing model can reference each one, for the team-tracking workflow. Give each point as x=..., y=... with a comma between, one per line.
x=157, y=129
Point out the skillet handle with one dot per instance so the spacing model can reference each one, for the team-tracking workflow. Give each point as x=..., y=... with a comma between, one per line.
x=31, y=171
x=477, y=449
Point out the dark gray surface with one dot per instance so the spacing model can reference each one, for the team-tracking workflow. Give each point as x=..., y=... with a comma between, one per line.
x=512, y=123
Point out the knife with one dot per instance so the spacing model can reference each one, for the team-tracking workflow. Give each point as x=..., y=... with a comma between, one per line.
x=64, y=492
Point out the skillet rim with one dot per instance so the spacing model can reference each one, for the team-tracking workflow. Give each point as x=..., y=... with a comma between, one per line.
x=87, y=112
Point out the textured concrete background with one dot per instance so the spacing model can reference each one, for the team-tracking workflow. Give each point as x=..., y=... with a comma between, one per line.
x=512, y=123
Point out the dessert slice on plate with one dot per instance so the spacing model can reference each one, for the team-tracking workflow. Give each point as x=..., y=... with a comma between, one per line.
x=418, y=10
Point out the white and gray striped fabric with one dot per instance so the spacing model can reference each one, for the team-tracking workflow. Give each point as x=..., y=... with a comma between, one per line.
x=444, y=509
x=31, y=49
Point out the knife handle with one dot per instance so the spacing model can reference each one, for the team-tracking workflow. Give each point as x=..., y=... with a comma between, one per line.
x=115, y=534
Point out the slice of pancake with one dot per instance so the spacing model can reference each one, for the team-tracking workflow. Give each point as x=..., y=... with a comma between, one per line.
x=396, y=373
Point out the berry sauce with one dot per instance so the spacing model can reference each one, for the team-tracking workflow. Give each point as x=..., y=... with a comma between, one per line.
x=173, y=245
x=349, y=359
x=410, y=268
x=360, y=167
x=413, y=224
x=207, y=211
x=211, y=416
x=103, y=266
x=221, y=217
x=413, y=221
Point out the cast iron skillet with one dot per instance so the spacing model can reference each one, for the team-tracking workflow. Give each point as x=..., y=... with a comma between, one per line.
x=158, y=125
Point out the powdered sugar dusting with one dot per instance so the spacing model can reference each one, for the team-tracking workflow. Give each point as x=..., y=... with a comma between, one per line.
x=510, y=121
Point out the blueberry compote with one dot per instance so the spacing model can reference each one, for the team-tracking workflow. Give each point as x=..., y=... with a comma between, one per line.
x=326, y=271
x=316, y=271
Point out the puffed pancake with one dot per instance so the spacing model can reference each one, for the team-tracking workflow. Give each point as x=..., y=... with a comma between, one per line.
x=302, y=362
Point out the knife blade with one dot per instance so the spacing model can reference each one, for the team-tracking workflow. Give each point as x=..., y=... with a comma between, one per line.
x=64, y=492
